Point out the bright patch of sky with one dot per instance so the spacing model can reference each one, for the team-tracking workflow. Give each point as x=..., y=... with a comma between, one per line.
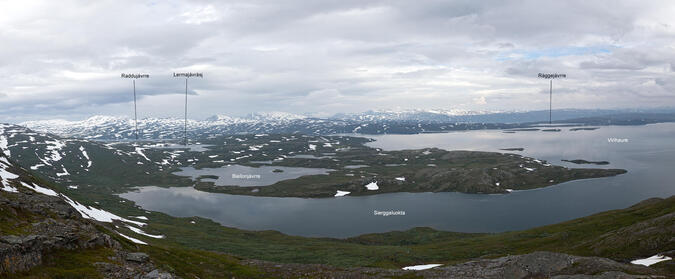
x=552, y=52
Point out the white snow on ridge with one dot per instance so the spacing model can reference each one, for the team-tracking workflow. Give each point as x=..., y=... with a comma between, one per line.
x=8, y=188
x=84, y=153
x=41, y=190
x=141, y=232
x=651, y=260
x=372, y=186
x=400, y=178
x=139, y=151
x=275, y=116
x=4, y=176
x=312, y=147
x=85, y=211
x=54, y=147
x=421, y=267
x=65, y=172
x=3, y=143
x=98, y=214
x=37, y=166
x=341, y=193
x=132, y=239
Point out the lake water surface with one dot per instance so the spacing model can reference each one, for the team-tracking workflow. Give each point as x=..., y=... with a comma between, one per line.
x=649, y=157
x=249, y=176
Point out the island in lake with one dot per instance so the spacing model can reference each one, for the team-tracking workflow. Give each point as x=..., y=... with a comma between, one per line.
x=421, y=170
x=582, y=162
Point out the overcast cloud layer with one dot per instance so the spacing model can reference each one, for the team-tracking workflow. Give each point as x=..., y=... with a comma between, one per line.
x=63, y=59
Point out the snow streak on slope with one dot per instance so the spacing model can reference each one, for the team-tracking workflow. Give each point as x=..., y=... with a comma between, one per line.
x=84, y=153
x=98, y=214
x=3, y=141
x=5, y=175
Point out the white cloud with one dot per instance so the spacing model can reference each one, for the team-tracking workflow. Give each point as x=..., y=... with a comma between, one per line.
x=200, y=15
x=480, y=100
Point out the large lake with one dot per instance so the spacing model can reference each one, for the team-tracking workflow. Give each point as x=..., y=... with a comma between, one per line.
x=649, y=157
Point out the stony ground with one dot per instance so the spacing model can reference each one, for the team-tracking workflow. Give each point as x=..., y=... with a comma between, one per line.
x=533, y=265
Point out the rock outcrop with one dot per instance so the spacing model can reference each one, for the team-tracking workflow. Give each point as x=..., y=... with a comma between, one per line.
x=34, y=226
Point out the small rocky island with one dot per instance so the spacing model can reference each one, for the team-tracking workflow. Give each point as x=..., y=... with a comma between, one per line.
x=583, y=162
x=513, y=149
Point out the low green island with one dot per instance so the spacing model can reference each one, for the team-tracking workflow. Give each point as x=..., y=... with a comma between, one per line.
x=584, y=162
x=513, y=149
x=370, y=171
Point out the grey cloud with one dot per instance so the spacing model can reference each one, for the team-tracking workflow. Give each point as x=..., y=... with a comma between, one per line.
x=64, y=58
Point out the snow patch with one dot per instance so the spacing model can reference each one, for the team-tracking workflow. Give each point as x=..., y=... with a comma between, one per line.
x=139, y=151
x=8, y=188
x=341, y=193
x=5, y=175
x=651, y=260
x=54, y=147
x=98, y=214
x=421, y=267
x=132, y=239
x=37, y=166
x=65, y=172
x=141, y=232
x=84, y=153
x=372, y=186
x=41, y=190
x=400, y=178
x=3, y=144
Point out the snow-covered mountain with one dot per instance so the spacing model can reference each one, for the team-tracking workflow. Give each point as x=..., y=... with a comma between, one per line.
x=369, y=122
x=107, y=127
x=433, y=115
x=118, y=128
x=468, y=116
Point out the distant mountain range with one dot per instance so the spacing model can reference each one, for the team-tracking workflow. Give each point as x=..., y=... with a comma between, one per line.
x=370, y=122
x=462, y=116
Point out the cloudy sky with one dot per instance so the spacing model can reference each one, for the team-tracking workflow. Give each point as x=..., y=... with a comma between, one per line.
x=63, y=59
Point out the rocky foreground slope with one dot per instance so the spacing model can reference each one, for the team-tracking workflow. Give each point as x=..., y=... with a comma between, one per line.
x=40, y=230
x=532, y=265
